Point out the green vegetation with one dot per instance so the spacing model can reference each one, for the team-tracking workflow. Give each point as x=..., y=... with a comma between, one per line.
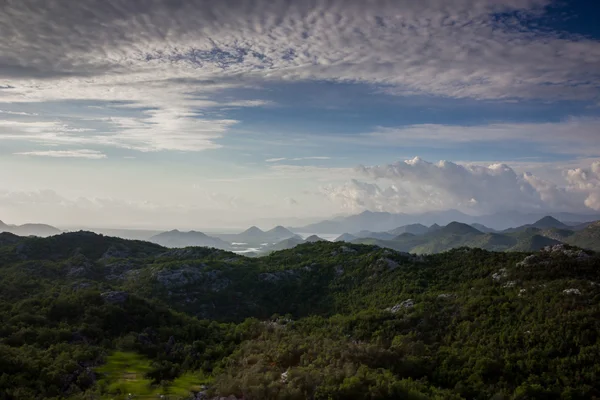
x=83, y=316
x=455, y=235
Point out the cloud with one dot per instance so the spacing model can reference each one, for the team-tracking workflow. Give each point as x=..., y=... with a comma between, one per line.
x=586, y=180
x=417, y=185
x=458, y=48
x=83, y=153
x=271, y=160
x=166, y=62
x=572, y=136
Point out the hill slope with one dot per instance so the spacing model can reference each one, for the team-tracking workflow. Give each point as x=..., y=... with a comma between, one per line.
x=321, y=320
x=176, y=238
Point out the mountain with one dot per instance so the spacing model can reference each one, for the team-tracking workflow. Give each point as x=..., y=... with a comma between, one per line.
x=433, y=228
x=346, y=237
x=483, y=228
x=313, y=239
x=456, y=234
x=588, y=238
x=285, y=244
x=40, y=230
x=415, y=229
x=374, y=235
x=384, y=222
x=176, y=238
x=380, y=221
x=85, y=316
x=255, y=236
x=546, y=222
x=457, y=228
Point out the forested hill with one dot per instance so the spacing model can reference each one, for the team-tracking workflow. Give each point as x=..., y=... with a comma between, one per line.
x=85, y=316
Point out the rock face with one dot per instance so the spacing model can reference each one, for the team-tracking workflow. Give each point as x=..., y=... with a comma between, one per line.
x=572, y=291
x=388, y=263
x=192, y=275
x=278, y=276
x=115, y=297
x=79, y=266
x=566, y=251
x=501, y=274
x=409, y=303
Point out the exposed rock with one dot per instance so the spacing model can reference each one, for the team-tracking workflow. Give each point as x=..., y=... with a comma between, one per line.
x=389, y=264
x=171, y=278
x=501, y=274
x=81, y=285
x=445, y=296
x=572, y=291
x=566, y=251
x=409, y=303
x=509, y=284
x=339, y=270
x=278, y=276
x=346, y=249
x=115, y=297
x=116, y=252
x=527, y=261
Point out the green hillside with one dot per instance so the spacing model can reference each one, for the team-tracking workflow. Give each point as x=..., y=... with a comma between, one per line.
x=84, y=316
x=455, y=235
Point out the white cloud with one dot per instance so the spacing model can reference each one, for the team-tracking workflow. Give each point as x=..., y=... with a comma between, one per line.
x=271, y=160
x=83, y=153
x=572, y=136
x=171, y=60
x=417, y=185
x=586, y=180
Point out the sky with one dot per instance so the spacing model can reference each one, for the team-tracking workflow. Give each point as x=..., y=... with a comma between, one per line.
x=203, y=113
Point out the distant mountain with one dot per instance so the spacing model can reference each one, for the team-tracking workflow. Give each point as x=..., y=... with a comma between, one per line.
x=374, y=235
x=385, y=222
x=433, y=228
x=346, y=237
x=256, y=236
x=456, y=234
x=588, y=238
x=381, y=221
x=482, y=228
x=176, y=238
x=546, y=222
x=41, y=230
x=457, y=228
x=314, y=238
x=286, y=244
x=415, y=229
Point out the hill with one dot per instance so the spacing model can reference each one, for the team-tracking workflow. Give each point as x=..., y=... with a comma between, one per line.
x=346, y=237
x=415, y=229
x=588, y=238
x=87, y=316
x=256, y=237
x=547, y=222
x=176, y=238
x=40, y=230
x=455, y=234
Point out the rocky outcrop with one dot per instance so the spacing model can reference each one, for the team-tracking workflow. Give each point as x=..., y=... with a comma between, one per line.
x=501, y=274
x=115, y=297
x=409, y=303
x=278, y=276
x=212, y=280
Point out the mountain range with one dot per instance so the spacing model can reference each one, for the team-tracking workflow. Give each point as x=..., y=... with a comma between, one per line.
x=531, y=237
x=41, y=230
x=384, y=222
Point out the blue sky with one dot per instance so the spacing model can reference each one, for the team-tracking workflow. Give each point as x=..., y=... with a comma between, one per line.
x=203, y=114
